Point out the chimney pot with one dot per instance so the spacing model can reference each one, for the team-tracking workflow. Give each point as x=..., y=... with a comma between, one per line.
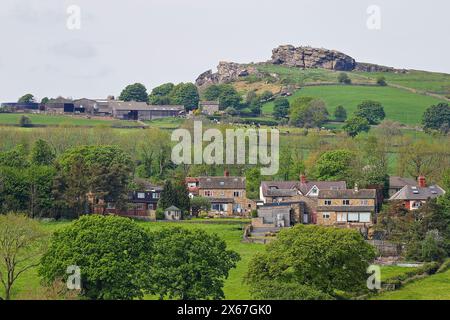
x=422, y=181
x=226, y=173
x=303, y=178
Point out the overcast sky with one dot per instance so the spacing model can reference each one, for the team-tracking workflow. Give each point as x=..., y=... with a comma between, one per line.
x=156, y=41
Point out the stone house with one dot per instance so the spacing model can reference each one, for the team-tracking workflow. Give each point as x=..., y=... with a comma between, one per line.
x=209, y=107
x=227, y=194
x=354, y=208
x=415, y=195
x=301, y=194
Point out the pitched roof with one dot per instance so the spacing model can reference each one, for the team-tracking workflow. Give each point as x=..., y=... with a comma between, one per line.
x=172, y=208
x=221, y=182
x=348, y=194
x=400, y=182
x=146, y=185
x=129, y=105
x=304, y=188
x=418, y=193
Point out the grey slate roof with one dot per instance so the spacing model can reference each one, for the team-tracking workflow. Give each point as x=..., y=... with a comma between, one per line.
x=418, y=193
x=400, y=182
x=281, y=192
x=129, y=105
x=221, y=183
x=348, y=194
x=304, y=188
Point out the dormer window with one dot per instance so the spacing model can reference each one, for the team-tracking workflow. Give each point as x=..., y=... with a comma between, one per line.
x=314, y=190
x=141, y=195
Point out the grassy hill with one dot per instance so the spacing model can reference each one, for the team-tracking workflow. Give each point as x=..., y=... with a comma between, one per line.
x=405, y=98
x=400, y=105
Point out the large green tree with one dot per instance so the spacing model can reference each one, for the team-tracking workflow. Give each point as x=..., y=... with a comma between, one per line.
x=113, y=255
x=313, y=262
x=356, y=125
x=281, y=108
x=161, y=95
x=185, y=94
x=189, y=264
x=102, y=171
x=370, y=110
x=307, y=112
x=437, y=117
x=134, y=92
x=28, y=98
x=334, y=166
x=42, y=153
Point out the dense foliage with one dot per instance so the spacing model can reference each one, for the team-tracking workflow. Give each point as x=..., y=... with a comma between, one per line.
x=134, y=92
x=315, y=261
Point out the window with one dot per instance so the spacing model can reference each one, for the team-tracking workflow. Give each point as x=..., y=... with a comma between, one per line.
x=326, y=215
x=110, y=205
x=236, y=194
x=141, y=195
x=353, y=217
x=342, y=217
x=140, y=206
x=345, y=202
x=219, y=207
x=156, y=195
x=328, y=202
x=208, y=193
x=192, y=185
x=314, y=190
x=416, y=204
x=364, y=217
x=364, y=202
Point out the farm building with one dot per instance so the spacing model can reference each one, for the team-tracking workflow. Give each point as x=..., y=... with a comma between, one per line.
x=142, y=111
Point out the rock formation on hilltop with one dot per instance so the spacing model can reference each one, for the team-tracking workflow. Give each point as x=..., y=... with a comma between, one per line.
x=290, y=56
x=307, y=57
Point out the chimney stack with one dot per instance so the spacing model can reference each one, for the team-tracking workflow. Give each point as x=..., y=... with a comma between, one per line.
x=422, y=181
x=303, y=178
x=226, y=173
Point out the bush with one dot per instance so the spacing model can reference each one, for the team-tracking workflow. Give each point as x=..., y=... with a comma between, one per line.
x=254, y=214
x=160, y=214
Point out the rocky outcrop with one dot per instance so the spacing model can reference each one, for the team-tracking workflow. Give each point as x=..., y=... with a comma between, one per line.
x=290, y=56
x=307, y=57
x=226, y=72
x=370, y=67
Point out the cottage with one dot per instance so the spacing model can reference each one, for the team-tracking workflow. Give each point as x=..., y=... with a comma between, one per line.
x=173, y=214
x=209, y=107
x=302, y=192
x=415, y=195
x=348, y=208
x=227, y=194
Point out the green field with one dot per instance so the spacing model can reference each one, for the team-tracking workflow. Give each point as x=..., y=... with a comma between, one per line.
x=61, y=120
x=28, y=286
x=400, y=105
x=438, y=83
x=435, y=287
x=389, y=272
